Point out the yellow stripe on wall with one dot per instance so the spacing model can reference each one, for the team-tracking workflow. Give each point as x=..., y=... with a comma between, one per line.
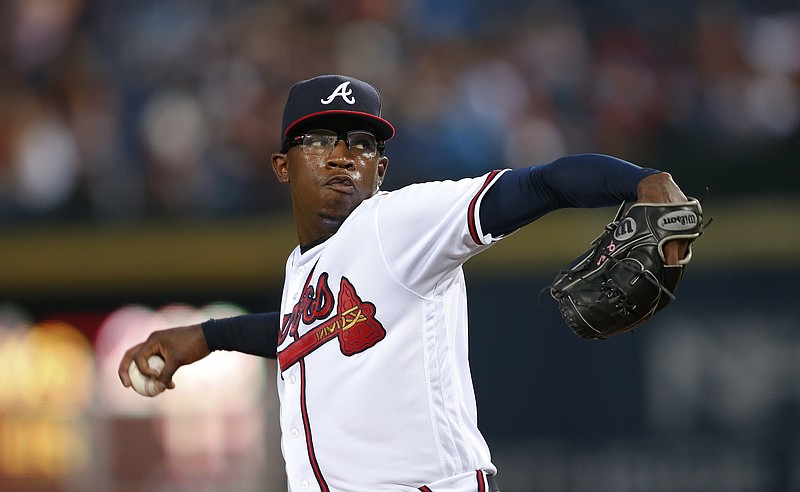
x=251, y=253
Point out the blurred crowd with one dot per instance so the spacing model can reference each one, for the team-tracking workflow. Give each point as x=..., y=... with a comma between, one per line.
x=123, y=110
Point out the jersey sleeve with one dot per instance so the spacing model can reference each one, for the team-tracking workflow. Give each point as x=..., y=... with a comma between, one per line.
x=428, y=230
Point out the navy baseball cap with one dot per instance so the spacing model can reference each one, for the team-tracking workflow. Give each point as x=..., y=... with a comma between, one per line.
x=335, y=98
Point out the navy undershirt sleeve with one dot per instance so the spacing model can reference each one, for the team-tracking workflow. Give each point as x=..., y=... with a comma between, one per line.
x=255, y=334
x=521, y=196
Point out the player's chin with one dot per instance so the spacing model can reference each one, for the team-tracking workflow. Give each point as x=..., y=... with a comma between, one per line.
x=336, y=213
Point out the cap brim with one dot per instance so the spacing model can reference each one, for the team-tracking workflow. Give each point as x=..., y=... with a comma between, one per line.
x=383, y=129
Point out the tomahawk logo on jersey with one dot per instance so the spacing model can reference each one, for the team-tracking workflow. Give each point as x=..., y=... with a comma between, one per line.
x=353, y=324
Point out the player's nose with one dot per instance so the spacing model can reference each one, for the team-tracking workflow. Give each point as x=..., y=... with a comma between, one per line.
x=340, y=156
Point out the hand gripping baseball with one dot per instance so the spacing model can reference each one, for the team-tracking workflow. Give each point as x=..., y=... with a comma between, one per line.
x=177, y=346
x=624, y=278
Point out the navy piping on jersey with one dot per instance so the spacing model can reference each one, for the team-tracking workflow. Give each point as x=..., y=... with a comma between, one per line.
x=312, y=456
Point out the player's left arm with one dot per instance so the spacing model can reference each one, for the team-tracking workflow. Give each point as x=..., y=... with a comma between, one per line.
x=521, y=196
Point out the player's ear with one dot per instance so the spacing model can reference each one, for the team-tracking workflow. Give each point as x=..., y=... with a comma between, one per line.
x=280, y=166
x=383, y=164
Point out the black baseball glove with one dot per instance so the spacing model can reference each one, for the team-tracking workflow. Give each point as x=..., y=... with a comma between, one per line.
x=623, y=280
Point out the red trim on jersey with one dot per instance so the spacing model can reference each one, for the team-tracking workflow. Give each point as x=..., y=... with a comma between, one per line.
x=481, y=481
x=473, y=227
x=478, y=474
x=323, y=485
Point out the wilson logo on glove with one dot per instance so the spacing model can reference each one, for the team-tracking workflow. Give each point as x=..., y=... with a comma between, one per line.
x=680, y=220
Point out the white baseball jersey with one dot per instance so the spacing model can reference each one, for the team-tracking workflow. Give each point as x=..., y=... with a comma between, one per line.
x=374, y=382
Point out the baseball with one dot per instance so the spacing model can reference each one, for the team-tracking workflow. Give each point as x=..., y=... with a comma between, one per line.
x=145, y=385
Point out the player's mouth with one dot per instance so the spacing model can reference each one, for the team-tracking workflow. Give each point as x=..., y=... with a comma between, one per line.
x=341, y=183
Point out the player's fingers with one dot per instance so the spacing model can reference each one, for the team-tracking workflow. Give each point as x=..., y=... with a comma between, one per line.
x=180, y=346
x=177, y=346
x=165, y=378
x=675, y=250
x=125, y=363
x=140, y=358
x=140, y=353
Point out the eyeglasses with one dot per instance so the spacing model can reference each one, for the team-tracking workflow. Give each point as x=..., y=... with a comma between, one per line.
x=362, y=144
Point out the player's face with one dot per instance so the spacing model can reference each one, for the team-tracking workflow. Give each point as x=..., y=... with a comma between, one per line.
x=326, y=188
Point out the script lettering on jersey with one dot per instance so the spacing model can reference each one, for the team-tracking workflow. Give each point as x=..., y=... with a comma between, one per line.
x=354, y=324
x=314, y=304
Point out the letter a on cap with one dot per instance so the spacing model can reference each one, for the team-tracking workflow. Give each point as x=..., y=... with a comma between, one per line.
x=343, y=91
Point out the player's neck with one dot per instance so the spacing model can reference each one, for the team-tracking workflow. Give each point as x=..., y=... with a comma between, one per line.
x=321, y=231
x=307, y=246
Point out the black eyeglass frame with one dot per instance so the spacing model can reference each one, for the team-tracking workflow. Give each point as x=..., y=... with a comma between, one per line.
x=298, y=140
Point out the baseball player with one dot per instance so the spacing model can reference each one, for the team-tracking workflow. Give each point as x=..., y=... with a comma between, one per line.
x=371, y=336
